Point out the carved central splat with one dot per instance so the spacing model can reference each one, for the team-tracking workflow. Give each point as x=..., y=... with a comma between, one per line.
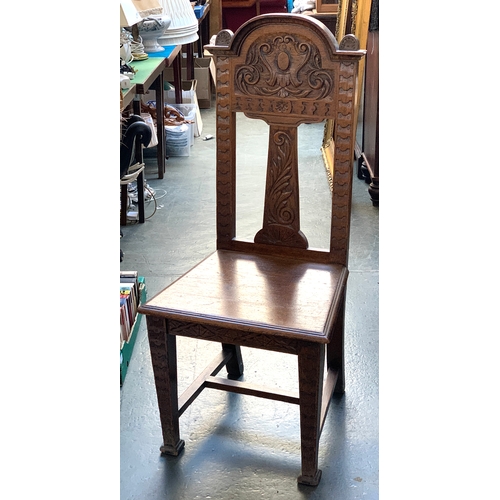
x=281, y=225
x=283, y=65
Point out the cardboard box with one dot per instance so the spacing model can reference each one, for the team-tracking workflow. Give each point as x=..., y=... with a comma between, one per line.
x=189, y=91
x=201, y=75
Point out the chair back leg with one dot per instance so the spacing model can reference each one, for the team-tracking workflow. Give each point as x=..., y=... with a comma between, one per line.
x=335, y=350
x=235, y=364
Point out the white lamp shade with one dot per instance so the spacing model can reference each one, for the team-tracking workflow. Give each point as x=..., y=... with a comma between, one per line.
x=133, y=11
x=183, y=28
x=129, y=15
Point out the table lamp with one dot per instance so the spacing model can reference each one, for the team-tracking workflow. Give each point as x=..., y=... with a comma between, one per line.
x=183, y=27
x=146, y=16
x=129, y=15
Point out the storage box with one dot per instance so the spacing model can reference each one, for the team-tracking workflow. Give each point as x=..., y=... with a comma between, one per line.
x=201, y=75
x=199, y=11
x=189, y=96
x=189, y=112
x=178, y=140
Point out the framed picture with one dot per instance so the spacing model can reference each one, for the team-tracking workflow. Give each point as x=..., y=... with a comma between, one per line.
x=330, y=6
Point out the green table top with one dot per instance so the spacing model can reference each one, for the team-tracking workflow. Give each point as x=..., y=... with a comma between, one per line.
x=146, y=73
x=148, y=70
x=144, y=69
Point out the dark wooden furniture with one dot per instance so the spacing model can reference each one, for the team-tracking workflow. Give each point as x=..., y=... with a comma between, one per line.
x=274, y=292
x=237, y=12
x=368, y=162
x=329, y=19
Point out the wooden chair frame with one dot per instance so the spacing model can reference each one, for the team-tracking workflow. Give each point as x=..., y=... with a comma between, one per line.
x=285, y=69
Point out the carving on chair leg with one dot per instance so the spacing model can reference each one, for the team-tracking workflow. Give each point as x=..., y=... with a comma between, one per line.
x=164, y=361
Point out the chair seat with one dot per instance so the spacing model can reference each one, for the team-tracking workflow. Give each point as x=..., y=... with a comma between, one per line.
x=263, y=294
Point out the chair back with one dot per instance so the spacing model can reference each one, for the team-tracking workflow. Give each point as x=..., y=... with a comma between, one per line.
x=285, y=69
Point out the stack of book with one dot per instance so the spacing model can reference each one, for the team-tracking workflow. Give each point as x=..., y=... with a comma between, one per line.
x=129, y=302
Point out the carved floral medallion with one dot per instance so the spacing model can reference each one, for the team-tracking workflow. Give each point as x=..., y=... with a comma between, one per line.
x=283, y=66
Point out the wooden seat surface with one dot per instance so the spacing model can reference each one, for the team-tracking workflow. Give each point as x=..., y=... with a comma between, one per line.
x=257, y=293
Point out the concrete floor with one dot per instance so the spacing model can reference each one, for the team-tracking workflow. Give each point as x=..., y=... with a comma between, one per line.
x=241, y=447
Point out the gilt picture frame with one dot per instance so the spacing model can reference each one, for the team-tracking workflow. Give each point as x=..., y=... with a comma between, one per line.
x=358, y=12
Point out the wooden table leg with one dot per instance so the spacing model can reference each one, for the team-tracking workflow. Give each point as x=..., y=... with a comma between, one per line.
x=177, y=65
x=140, y=182
x=139, y=159
x=160, y=126
x=123, y=204
x=189, y=61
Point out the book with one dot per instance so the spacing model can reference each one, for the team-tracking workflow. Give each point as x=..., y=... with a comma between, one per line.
x=125, y=326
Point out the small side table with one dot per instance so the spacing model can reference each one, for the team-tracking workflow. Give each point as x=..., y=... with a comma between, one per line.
x=150, y=75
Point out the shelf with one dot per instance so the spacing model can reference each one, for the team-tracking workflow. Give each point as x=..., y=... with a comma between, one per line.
x=128, y=347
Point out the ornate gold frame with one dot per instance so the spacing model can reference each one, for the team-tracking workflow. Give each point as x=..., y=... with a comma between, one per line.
x=360, y=16
x=340, y=30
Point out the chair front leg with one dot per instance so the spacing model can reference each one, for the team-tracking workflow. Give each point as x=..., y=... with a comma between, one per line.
x=311, y=367
x=164, y=359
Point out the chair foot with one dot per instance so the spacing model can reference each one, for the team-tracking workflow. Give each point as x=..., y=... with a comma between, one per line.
x=339, y=389
x=173, y=451
x=310, y=480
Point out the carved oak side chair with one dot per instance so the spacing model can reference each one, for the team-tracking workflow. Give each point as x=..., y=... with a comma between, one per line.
x=274, y=292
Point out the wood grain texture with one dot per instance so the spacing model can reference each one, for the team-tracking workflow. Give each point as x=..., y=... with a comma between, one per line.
x=260, y=294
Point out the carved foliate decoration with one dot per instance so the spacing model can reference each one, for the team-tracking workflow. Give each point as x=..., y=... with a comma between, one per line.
x=281, y=212
x=285, y=66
